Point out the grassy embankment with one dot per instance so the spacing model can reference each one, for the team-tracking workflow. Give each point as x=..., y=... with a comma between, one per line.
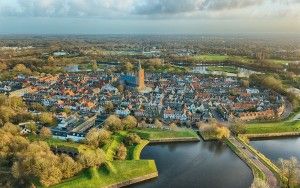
x=256, y=171
x=284, y=128
x=114, y=172
x=120, y=173
x=264, y=159
x=160, y=135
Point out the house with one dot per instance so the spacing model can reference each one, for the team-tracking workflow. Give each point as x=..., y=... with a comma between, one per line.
x=122, y=112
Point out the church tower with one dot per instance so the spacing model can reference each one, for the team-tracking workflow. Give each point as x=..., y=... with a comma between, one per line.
x=140, y=78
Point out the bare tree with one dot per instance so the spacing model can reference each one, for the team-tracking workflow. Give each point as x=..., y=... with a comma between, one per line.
x=290, y=169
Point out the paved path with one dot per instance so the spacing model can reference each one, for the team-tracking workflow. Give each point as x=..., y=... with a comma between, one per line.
x=271, y=178
x=287, y=109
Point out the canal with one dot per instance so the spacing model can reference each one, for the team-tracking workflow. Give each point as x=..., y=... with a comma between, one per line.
x=200, y=164
x=278, y=147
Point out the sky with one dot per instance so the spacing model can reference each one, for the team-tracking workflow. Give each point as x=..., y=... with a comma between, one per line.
x=149, y=16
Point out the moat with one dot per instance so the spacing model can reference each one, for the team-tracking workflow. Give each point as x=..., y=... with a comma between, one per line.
x=278, y=147
x=205, y=164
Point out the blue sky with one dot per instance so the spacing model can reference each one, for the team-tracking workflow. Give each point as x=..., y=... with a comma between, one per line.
x=148, y=16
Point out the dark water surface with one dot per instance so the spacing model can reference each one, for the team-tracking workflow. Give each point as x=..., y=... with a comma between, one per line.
x=201, y=164
x=278, y=147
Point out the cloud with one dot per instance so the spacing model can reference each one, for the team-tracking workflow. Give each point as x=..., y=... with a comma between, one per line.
x=148, y=8
x=177, y=7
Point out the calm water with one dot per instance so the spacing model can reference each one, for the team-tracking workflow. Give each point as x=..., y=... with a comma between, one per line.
x=202, y=164
x=279, y=147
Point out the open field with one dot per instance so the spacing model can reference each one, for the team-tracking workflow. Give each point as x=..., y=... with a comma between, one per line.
x=104, y=176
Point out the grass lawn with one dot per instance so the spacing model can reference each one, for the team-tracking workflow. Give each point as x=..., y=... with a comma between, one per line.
x=54, y=142
x=277, y=127
x=112, y=146
x=224, y=69
x=103, y=176
x=134, y=152
x=153, y=134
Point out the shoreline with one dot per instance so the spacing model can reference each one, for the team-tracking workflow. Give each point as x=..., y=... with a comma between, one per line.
x=133, y=180
x=170, y=140
x=271, y=135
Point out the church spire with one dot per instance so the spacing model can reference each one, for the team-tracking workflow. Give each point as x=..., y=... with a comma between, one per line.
x=140, y=66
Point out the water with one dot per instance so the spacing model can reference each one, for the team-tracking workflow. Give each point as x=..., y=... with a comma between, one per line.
x=243, y=72
x=202, y=164
x=278, y=148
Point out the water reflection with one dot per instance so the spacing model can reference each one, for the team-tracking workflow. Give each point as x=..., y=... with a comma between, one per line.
x=278, y=148
x=200, y=164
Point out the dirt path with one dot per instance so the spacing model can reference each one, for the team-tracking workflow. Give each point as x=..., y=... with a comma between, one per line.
x=271, y=178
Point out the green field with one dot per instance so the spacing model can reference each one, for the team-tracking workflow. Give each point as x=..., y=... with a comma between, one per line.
x=153, y=134
x=242, y=59
x=104, y=176
x=277, y=127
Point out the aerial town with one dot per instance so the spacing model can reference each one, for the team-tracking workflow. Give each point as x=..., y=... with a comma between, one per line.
x=183, y=99
x=149, y=94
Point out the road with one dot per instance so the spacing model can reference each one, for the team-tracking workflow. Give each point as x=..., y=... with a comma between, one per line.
x=271, y=178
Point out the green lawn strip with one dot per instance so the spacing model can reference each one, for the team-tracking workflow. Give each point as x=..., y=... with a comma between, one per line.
x=55, y=142
x=155, y=134
x=276, y=127
x=256, y=171
x=134, y=152
x=111, y=148
x=102, y=177
x=265, y=160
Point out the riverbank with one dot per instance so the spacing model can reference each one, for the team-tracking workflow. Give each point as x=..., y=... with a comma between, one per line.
x=166, y=136
x=284, y=128
x=256, y=171
x=272, y=135
x=271, y=166
x=206, y=136
x=114, y=173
